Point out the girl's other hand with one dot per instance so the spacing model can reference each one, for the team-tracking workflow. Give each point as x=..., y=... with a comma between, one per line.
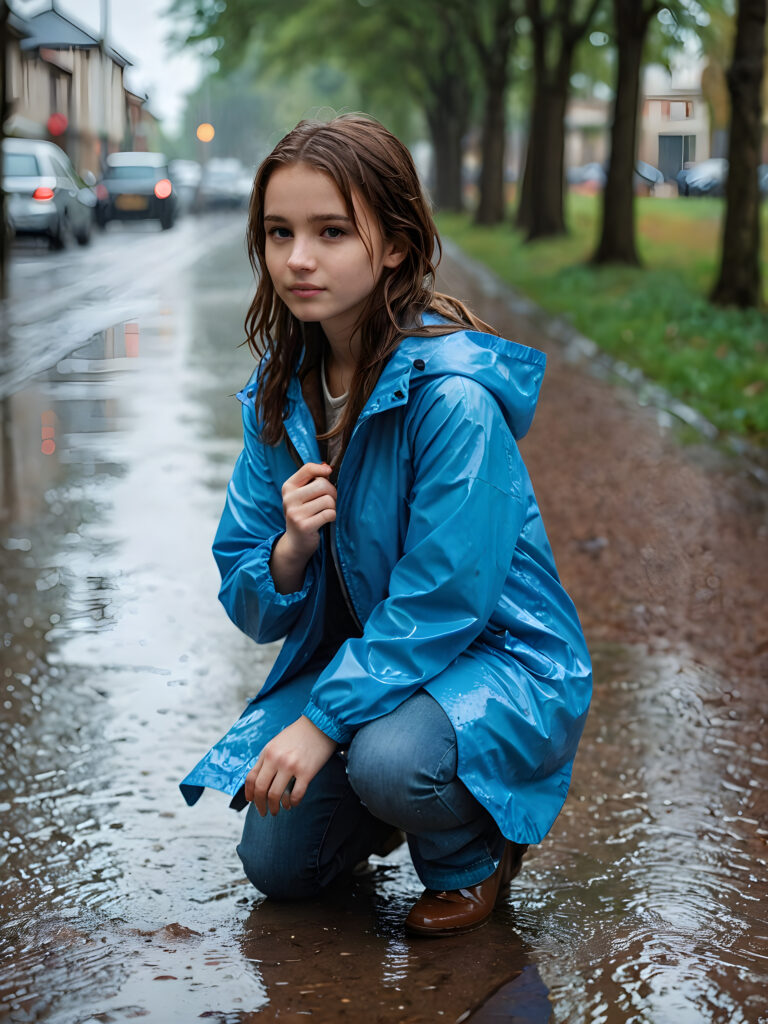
x=309, y=502
x=298, y=753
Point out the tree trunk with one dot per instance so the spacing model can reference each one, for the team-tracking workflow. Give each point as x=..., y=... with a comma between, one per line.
x=490, y=206
x=522, y=217
x=617, y=238
x=541, y=210
x=537, y=118
x=739, y=283
x=447, y=114
x=545, y=215
x=4, y=233
x=495, y=67
x=447, y=133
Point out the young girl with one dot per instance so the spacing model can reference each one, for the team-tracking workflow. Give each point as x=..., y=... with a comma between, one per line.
x=434, y=678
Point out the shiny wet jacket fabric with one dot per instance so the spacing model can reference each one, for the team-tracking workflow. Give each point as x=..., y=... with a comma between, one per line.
x=442, y=550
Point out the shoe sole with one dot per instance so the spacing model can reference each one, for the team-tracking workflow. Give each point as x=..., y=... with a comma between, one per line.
x=441, y=933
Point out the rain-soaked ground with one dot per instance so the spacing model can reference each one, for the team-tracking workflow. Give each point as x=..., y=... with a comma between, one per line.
x=647, y=902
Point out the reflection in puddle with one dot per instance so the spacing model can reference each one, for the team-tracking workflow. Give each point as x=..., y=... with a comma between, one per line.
x=646, y=903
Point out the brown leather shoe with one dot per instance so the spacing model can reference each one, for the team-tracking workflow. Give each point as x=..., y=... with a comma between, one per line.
x=460, y=910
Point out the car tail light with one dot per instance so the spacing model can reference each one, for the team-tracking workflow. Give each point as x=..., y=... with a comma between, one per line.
x=102, y=192
x=43, y=193
x=163, y=188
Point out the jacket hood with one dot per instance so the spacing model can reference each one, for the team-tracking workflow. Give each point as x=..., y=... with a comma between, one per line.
x=511, y=372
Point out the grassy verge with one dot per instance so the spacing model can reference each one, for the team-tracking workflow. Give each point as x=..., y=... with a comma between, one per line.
x=656, y=318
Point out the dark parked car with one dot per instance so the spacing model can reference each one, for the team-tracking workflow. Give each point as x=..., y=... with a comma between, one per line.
x=185, y=178
x=707, y=178
x=646, y=175
x=710, y=179
x=224, y=183
x=46, y=195
x=592, y=177
x=136, y=186
x=589, y=176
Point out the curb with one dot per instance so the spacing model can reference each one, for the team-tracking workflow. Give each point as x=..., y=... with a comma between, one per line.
x=579, y=350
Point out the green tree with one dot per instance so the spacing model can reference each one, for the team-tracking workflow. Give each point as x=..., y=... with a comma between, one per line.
x=4, y=227
x=556, y=30
x=631, y=22
x=490, y=27
x=739, y=281
x=392, y=48
x=617, y=236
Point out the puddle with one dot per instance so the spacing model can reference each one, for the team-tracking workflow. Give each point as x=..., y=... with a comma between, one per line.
x=117, y=902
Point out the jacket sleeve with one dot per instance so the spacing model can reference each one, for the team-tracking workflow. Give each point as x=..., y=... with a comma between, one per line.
x=251, y=524
x=467, y=508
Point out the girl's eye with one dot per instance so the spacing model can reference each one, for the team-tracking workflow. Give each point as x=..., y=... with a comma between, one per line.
x=334, y=232
x=279, y=233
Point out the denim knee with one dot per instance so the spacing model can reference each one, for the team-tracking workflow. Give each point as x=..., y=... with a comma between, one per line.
x=397, y=763
x=279, y=866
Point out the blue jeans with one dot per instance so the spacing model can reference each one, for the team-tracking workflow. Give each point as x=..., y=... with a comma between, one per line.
x=399, y=772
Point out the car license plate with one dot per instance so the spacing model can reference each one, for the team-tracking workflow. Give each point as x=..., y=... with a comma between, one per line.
x=128, y=202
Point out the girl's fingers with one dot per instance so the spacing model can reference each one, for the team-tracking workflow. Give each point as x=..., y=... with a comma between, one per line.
x=317, y=487
x=262, y=785
x=328, y=515
x=285, y=799
x=276, y=790
x=306, y=473
x=250, y=780
x=297, y=793
x=311, y=508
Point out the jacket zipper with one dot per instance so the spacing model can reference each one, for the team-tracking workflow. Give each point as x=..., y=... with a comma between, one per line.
x=340, y=574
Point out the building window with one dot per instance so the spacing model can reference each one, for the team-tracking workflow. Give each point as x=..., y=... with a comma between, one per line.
x=681, y=110
x=689, y=149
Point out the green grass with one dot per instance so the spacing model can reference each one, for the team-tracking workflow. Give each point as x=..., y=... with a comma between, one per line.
x=656, y=318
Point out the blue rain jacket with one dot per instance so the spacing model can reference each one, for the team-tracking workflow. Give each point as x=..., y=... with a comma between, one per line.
x=442, y=550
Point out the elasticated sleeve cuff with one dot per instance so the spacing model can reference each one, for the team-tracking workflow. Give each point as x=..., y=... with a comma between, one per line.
x=330, y=726
x=266, y=584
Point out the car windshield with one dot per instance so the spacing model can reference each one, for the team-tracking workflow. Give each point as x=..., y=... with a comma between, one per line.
x=133, y=171
x=20, y=165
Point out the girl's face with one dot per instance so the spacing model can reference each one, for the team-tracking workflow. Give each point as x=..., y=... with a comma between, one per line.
x=316, y=257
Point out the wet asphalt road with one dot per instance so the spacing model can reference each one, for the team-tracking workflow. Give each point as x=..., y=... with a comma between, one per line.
x=647, y=902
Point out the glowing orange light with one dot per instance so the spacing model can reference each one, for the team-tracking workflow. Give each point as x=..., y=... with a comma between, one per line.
x=163, y=188
x=205, y=132
x=48, y=447
x=43, y=193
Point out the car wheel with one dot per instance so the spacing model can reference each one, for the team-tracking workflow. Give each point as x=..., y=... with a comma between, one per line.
x=166, y=221
x=84, y=236
x=62, y=239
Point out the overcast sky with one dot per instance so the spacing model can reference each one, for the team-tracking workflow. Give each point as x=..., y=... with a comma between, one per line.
x=137, y=29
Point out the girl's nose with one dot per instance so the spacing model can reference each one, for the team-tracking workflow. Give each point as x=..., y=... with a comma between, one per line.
x=301, y=257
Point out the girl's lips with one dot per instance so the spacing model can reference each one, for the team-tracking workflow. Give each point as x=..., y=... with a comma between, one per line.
x=305, y=291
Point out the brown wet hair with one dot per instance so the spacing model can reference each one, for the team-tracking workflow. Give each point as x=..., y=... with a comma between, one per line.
x=360, y=156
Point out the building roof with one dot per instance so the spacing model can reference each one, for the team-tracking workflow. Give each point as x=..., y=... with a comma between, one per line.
x=19, y=26
x=55, y=31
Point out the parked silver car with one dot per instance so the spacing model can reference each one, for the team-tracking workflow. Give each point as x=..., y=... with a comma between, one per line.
x=45, y=194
